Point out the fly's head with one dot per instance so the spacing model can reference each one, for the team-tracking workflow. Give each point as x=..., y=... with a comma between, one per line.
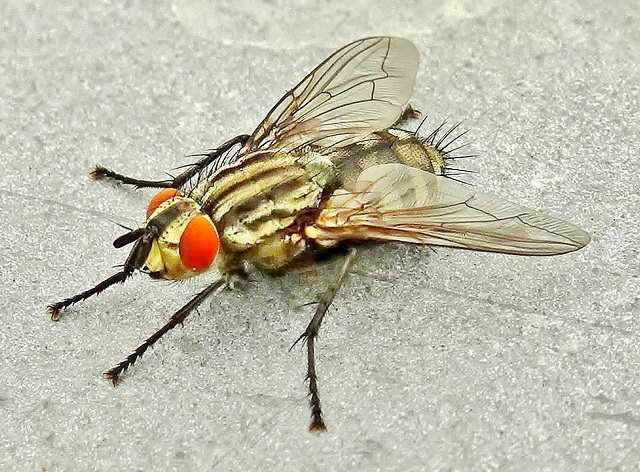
x=178, y=240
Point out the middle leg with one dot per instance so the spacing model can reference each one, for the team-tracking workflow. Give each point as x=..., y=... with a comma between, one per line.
x=309, y=336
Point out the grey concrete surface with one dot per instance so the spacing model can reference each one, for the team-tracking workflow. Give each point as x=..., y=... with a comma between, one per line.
x=441, y=361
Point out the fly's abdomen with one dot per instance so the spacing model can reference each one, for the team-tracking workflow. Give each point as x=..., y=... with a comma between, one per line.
x=392, y=146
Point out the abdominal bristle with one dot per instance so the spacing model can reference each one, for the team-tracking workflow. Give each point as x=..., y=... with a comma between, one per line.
x=442, y=140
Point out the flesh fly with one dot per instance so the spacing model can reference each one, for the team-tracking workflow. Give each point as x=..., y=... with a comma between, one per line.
x=327, y=166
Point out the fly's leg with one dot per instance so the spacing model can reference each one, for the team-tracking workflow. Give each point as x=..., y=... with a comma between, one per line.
x=408, y=113
x=100, y=172
x=135, y=260
x=113, y=375
x=309, y=337
x=54, y=309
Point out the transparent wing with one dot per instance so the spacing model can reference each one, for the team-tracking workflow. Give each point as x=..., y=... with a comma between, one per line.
x=400, y=203
x=360, y=88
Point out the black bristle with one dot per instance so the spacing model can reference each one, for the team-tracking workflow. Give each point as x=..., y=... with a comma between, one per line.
x=442, y=142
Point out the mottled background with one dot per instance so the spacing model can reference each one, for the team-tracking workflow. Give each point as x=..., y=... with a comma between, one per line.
x=446, y=360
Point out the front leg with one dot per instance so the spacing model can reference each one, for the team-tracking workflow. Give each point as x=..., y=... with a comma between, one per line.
x=207, y=159
x=113, y=375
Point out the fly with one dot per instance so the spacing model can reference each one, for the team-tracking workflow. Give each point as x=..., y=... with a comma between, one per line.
x=327, y=166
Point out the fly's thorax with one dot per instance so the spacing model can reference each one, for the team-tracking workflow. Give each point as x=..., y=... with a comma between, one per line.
x=187, y=241
x=277, y=250
x=392, y=146
x=256, y=203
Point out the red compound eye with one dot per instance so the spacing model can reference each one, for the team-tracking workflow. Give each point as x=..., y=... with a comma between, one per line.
x=161, y=197
x=199, y=244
